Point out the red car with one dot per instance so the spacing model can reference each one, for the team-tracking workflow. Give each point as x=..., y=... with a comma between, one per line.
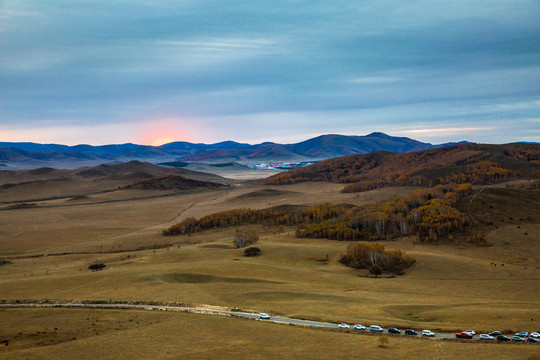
x=463, y=335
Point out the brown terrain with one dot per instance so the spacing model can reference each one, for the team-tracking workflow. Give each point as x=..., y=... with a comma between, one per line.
x=54, y=224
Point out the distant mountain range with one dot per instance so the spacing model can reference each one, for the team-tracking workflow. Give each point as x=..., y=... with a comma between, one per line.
x=31, y=155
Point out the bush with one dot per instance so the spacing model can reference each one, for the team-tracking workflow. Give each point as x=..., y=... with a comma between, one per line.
x=383, y=341
x=243, y=239
x=252, y=251
x=373, y=256
x=4, y=262
x=375, y=270
x=96, y=267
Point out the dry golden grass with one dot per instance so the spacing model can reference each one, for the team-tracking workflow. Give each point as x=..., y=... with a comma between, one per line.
x=451, y=287
x=121, y=334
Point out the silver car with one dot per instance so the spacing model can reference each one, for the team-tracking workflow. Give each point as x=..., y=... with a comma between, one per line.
x=376, y=328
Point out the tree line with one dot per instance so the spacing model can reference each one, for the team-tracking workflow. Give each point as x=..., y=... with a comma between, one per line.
x=429, y=213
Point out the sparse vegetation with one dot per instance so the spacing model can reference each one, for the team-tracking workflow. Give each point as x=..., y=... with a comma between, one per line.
x=243, y=239
x=172, y=182
x=97, y=267
x=252, y=251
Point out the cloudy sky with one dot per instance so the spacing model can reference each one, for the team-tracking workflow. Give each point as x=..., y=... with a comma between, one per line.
x=96, y=71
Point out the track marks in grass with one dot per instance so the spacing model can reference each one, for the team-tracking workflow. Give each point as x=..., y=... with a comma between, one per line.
x=194, y=278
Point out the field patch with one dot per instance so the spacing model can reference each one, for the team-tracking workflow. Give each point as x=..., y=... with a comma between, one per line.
x=265, y=193
x=194, y=278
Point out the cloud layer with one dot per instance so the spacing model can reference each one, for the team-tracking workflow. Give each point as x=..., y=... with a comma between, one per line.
x=282, y=70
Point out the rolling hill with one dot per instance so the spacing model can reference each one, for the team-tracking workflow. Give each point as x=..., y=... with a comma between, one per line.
x=45, y=183
x=172, y=182
x=475, y=163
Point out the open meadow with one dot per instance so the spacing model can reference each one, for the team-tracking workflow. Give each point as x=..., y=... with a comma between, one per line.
x=452, y=286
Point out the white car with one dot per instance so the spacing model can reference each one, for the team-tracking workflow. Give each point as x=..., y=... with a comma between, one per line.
x=376, y=328
x=470, y=332
x=486, y=337
x=343, y=326
x=264, y=316
x=359, y=327
x=535, y=334
x=428, y=333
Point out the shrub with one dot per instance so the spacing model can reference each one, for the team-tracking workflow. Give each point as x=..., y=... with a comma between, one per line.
x=243, y=239
x=252, y=251
x=375, y=270
x=4, y=262
x=373, y=256
x=96, y=267
x=383, y=341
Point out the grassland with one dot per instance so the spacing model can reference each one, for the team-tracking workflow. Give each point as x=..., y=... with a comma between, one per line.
x=451, y=287
x=113, y=334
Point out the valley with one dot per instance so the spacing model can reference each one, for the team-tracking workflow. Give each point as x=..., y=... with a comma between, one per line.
x=453, y=284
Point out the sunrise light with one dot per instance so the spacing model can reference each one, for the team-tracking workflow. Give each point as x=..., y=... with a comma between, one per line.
x=157, y=132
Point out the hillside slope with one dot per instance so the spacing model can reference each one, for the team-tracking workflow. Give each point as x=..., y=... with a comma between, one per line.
x=47, y=182
x=475, y=163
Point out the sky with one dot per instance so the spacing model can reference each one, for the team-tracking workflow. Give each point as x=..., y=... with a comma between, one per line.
x=100, y=72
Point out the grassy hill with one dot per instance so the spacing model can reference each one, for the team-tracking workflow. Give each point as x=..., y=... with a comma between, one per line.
x=475, y=163
x=44, y=183
x=172, y=182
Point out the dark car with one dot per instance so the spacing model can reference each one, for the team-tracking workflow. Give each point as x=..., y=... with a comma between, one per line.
x=394, y=331
x=463, y=335
x=517, y=338
x=533, y=340
x=410, y=332
x=495, y=333
x=502, y=338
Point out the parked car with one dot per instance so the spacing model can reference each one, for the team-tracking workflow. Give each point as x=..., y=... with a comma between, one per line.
x=471, y=332
x=533, y=340
x=517, y=338
x=394, y=331
x=486, y=337
x=359, y=327
x=376, y=328
x=264, y=316
x=522, y=334
x=464, y=335
x=535, y=334
x=428, y=333
x=502, y=338
x=410, y=332
x=495, y=333
x=343, y=326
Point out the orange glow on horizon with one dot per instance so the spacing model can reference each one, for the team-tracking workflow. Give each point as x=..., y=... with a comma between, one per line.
x=159, y=132
x=162, y=141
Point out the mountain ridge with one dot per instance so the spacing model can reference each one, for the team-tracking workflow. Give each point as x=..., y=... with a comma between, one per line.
x=318, y=148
